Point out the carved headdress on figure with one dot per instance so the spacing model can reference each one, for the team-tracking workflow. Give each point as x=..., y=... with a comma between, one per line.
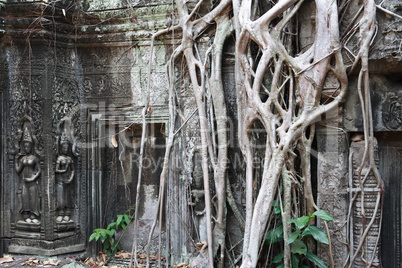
x=65, y=133
x=64, y=138
x=25, y=133
x=26, y=136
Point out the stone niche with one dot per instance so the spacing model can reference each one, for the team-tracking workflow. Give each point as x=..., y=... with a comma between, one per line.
x=119, y=154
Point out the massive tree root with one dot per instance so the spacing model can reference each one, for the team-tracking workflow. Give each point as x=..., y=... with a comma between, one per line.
x=293, y=102
x=279, y=86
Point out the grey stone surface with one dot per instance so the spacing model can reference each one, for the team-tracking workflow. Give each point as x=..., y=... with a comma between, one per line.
x=73, y=265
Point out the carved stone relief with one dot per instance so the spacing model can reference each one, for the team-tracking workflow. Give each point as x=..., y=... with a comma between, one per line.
x=386, y=100
x=197, y=198
x=27, y=166
x=197, y=192
x=369, y=182
x=98, y=58
x=65, y=98
x=66, y=108
x=26, y=100
x=65, y=175
x=119, y=85
x=114, y=85
x=392, y=111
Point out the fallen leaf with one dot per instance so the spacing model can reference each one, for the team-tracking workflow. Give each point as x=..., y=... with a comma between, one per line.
x=90, y=261
x=53, y=262
x=32, y=262
x=6, y=259
x=142, y=256
x=123, y=255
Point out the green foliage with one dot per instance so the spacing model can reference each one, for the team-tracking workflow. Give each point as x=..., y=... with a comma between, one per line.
x=318, y=234
x=278, y=258
x=106, y=236
x=323, y=215
x=274, y=235
x=298, y=247
x=301, y=229
x=314, y=259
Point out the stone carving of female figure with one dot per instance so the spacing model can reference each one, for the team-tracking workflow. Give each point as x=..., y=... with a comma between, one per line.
x=28, y=167
x=197, y=197
x=64, y=178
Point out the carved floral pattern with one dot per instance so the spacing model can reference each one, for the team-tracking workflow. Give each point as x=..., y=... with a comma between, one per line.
x=65, y=103
x=116, y=85
x=26, y=100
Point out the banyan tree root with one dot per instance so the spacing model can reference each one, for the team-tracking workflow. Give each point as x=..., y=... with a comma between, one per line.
x=293, y=102
x=280, y=87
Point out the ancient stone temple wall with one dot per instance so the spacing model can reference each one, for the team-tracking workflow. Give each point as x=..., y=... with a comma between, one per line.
x=73, y=83
x=42, y=167
x=71, y=78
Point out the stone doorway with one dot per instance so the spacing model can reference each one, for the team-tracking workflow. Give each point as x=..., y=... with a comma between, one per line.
x=116, y=154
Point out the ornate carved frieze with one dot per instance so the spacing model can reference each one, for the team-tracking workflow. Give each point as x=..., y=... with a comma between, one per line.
x=392, y=111
x=101, y=85
x=386, y=100
x=99, y=57
x=120, y=85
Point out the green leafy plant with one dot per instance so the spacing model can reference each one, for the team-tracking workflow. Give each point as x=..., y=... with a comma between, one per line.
x=298, y=248
x=107, y=236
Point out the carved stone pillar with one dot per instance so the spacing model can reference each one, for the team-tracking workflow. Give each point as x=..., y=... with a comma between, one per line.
x=332, y=184
x=363, y=208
